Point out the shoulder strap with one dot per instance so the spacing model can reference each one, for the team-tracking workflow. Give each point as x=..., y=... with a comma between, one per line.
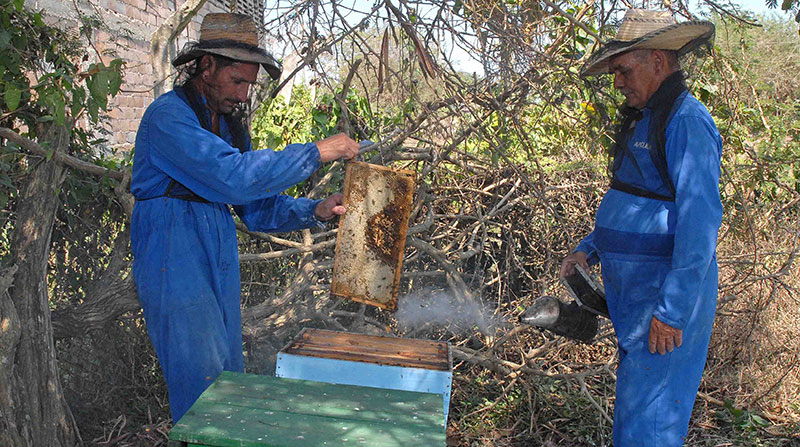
x=659, y=154
x=664, y=103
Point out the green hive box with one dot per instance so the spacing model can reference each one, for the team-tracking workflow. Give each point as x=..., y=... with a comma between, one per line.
x=240, y=410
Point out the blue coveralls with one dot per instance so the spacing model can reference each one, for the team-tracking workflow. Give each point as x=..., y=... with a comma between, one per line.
x=186, y=260
x=659, y=259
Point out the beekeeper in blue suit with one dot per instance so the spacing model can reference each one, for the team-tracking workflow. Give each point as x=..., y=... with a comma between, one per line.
x=655, y=231
x=193, y=159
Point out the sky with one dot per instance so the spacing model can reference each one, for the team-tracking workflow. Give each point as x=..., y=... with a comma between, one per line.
x=759, y=7
x=468, y=63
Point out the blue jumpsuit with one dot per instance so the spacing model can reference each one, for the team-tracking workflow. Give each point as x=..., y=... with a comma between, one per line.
x=186, y=260
x=659, y=259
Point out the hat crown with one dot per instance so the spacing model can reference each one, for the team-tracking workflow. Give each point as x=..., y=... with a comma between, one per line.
x=654, y=30
x=229, y=26
x=640, y=22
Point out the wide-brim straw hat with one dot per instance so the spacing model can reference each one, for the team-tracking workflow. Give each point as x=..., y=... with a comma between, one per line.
x=233, y=36
x=655, y=30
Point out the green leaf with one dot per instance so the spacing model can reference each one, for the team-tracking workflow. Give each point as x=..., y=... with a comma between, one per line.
x=78, y=98
x=19, y=4
x=5, y=180
x=61, y=113
x=92, y=108
x=114, y=82
x=5, y=39
x=759, y=420
x=13, y=96
x=98, y=87
x=787, y=5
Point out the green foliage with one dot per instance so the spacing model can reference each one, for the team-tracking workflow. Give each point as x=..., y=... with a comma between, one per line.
x=760, y=122
x=742, y=419
x=41, y=82
x=277, y=124
x=41, y=78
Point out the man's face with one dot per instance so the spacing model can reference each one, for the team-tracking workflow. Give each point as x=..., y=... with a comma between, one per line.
x=636, y=75
x=227, y=87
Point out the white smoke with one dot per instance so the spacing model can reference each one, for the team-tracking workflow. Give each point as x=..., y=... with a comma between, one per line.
x=436, y=309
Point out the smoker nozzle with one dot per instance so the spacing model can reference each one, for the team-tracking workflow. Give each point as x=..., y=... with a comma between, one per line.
x=568, y=320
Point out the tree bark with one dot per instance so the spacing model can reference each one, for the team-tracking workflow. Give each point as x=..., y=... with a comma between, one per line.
x=32, y=406
x=113, y=295
x=9, y=338
x=162, y=39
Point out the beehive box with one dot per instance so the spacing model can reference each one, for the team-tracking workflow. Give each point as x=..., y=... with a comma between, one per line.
x=262, y=411
x=372, y=234
x=369, y=360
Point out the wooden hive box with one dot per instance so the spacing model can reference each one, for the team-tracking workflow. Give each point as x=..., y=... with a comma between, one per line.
x=369, y=360
x=262, y=411
x=372, y=234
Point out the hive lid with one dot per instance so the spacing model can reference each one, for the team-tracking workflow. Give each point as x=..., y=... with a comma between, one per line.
x=262, y=411
x=393, y=351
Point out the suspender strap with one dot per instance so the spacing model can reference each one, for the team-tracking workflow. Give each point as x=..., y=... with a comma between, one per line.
x=241, y=140
x=664, y=103
x=175, y=190
x=630, y=189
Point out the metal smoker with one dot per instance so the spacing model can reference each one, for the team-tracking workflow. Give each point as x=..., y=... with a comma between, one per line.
x=576, y=320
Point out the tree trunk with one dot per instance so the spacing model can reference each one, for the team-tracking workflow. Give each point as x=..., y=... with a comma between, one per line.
x=107, y=298
x=162, y=40
x=32, y=407
x=9, y=339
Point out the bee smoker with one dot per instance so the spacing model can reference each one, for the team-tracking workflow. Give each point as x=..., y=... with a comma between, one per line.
x=569, y=320
x=576, y=320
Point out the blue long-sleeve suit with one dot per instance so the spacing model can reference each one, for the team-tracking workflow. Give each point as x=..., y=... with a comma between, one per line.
x=659, y=259
x=186, y=260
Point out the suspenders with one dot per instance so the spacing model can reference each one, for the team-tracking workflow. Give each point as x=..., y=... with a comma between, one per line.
x=658, y=155
x=175, y=189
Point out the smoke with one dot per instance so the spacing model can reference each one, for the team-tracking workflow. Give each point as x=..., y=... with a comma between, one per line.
x=435, y=309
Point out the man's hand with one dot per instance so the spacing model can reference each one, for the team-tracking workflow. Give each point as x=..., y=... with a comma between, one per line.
x=663, y=337
x=336, y=147
x=568, y=264
x=330, y=207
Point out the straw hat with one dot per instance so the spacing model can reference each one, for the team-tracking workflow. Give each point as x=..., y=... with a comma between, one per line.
x=230, y=35
x=656, y=30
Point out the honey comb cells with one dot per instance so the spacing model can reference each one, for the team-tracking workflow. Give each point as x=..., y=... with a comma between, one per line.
x=372, y=234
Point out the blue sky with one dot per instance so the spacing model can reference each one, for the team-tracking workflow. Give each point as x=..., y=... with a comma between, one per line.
x=759, y=7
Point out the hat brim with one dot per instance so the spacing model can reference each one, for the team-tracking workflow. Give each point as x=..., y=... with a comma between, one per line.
x=681, y=37
x=271, y=66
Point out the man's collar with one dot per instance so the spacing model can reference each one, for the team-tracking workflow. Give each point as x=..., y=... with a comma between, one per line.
x=672, y=86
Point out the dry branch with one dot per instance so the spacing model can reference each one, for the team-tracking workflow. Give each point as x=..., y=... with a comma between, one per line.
x=68, y=160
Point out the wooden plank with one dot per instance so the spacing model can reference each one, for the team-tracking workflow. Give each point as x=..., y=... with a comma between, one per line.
x=247, y=410
x=372, y=234
x=394, y=351
x=383, y=359
x=312, y=336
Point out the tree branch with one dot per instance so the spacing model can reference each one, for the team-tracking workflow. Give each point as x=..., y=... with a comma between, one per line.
x=68, y=160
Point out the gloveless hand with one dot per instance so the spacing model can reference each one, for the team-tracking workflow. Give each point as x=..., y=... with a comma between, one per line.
x=330, y=207
x=336, y=147
x=568, y=264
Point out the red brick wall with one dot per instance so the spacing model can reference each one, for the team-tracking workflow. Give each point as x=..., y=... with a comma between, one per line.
x=130, y=24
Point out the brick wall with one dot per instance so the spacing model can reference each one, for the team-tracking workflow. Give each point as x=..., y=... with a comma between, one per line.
x=130, y=23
